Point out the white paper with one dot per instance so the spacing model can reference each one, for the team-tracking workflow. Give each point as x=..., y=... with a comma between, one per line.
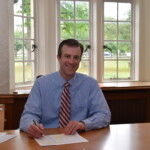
x=58, y=139
x=2, y=133
x=4, y=137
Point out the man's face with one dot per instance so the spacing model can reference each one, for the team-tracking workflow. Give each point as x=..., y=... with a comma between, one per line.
x=69, y=61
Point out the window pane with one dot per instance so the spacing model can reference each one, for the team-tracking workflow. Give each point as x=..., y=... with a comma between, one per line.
x=86, y=51
x=124, y=12
x=110, y=31
x=84, y=67
x=124, y=31
x=23, y=40
x=110, y=11
x=124, y=49
x=117, y=40
x=82, y=30
x=18, y=7
x=82, y=10
x=18, y=32
x=28, y=54
x=67, y=29
x=66, y=10
x=110, y=49
x=18, y=72
x=124, y=69
x=28, y=28
x=18, y=52
x=110, y=69
x=29, y=71
x=28, y=8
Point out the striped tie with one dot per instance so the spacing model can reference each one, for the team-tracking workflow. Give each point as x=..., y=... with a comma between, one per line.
x=65, y=106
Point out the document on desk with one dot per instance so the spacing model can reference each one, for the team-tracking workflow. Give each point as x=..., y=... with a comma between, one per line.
x=59, y=139
x=4, y=137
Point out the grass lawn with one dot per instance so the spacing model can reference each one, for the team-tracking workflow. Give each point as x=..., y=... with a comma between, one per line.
x=110, y=69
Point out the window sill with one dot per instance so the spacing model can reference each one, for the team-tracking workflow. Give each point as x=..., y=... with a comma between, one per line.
x=124, y=85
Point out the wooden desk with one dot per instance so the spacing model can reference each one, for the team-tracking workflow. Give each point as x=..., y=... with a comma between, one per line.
x=114, y=137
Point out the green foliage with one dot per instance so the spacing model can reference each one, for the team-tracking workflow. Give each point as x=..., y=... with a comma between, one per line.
x=67, y=16
x=27, y=24
x=66, y=10
x=67, y=29
x=82, y=11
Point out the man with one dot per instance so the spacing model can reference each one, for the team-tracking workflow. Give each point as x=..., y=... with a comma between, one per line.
x=88, y=108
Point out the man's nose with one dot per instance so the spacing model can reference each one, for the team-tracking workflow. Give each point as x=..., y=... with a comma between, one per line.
x=71, y=60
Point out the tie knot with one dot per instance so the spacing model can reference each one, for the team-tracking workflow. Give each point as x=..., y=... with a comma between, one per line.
x=67, y=84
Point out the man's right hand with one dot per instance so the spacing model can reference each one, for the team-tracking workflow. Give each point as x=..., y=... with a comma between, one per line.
x=35, y=131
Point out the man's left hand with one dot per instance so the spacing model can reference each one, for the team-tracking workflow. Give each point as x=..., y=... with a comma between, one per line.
x=73, y=126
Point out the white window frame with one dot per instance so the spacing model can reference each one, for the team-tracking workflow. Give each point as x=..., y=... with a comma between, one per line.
x=132, y=44
x=48, y=41
x=28, y=83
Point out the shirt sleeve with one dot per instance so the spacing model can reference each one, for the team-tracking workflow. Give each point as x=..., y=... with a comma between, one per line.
x=99, y=114
x=31, y=111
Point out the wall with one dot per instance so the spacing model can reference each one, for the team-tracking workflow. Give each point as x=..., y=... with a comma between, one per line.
x=145, y=41
x=47, y=24
x=4, y=47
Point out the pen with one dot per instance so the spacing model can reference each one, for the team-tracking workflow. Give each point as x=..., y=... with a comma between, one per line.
x=37, y=126
x=35, y=123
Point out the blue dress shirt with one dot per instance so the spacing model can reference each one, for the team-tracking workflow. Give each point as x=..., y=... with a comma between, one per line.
x=87, y=102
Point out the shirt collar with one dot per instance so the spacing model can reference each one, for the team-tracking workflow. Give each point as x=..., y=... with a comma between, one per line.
x=61, y=81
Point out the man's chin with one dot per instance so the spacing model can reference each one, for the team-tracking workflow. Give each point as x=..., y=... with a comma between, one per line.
x=71, y=73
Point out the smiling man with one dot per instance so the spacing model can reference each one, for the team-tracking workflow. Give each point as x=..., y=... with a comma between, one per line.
x=65, y=99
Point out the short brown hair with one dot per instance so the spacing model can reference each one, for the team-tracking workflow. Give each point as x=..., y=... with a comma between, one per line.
x=71, y=43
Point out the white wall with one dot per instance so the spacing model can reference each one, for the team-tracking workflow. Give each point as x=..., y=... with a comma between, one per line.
x=47, y=25
x=4, y=47
x=145, y=41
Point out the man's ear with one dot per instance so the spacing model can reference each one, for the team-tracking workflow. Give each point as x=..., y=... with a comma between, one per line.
x=58, y=57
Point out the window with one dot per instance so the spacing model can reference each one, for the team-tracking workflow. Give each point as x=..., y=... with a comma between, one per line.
x=118, y=51
x=24, y=41
x=74, y=22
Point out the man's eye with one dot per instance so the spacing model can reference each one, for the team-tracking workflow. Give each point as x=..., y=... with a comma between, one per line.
x=77, y=58
x=67, y=56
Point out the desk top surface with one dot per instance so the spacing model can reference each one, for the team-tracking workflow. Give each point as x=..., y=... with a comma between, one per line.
x=114, y=137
